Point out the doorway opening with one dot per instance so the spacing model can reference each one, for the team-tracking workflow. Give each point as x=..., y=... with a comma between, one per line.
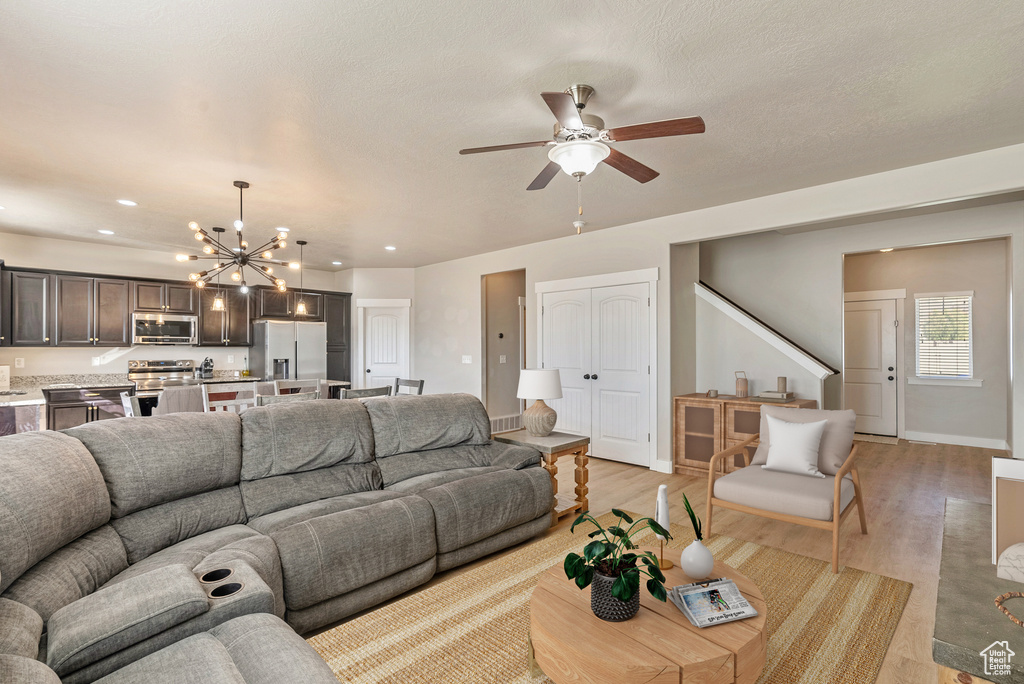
x=503, y=318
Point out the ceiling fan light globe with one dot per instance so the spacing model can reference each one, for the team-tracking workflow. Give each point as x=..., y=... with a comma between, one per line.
x=579, y=156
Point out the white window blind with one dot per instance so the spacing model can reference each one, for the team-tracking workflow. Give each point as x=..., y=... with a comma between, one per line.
x=944, y=335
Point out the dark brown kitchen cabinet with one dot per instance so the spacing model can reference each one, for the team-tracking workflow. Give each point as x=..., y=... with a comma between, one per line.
x=68, y=408
x=165, y=297
x=91, y=311
x=337, y=312
x=230, y=327
x=276, y=304
x=31, y=305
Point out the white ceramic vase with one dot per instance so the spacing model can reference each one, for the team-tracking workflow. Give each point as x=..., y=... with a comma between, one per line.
x=696, y=561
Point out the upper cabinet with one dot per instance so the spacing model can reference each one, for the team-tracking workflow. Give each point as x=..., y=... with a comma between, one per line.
x=31, y=304
x=275, y=304
x=165, y=297
x=91, y=312
x=230, y=327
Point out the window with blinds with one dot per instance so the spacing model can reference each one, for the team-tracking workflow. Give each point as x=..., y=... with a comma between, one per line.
x=944, y=333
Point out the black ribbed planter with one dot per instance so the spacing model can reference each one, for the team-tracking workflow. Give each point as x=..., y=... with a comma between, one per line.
x=606, y=606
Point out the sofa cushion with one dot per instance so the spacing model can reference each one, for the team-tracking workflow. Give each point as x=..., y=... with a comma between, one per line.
x=294, y=438
x=122, y=615
x=71, y=572
x=473, y=508
x=836, y=440
x=336, y=553
x=51, y=493
x=25, y=671
x=314, y=509
x=163, y=458
x=430, y=480
x=271, y=494
x=254, y=649
x=416, y=423
x=20, y=629
x=402, y=467
x=806, y=497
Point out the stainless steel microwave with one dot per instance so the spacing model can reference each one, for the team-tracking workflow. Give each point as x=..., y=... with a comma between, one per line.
x=161, y=328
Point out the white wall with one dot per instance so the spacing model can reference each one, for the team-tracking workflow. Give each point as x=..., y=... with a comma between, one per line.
x=377, y=283
x=952, y=412
x=448, y=294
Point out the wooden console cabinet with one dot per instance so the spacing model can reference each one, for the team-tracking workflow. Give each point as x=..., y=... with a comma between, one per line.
x=703, y=426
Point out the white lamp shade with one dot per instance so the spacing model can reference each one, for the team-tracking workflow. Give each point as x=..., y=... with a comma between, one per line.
x=539, y=383
x=579, y=156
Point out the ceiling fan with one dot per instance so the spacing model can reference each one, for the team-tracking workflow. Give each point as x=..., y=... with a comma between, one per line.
x=580, y=140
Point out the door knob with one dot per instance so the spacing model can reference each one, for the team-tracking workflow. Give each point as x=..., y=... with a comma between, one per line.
x=586, y=376
x=594, y=376
x=367, y=370
x=891, y=377
x=891, y=368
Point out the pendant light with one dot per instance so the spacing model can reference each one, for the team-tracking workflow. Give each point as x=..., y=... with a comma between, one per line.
x=300, y=307
x=218, y=299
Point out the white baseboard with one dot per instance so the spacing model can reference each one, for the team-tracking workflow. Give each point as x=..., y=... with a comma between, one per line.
x=662, y=466
x=958, y=440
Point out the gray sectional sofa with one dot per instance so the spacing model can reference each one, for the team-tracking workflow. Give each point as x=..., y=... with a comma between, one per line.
x=193, y=547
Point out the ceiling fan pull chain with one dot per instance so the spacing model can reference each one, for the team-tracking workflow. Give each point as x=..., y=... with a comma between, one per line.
x=579, y=194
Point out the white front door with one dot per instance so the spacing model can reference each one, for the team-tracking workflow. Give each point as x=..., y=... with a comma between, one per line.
x=598, y=340
x=869, y=364
x=620, y=373
x=385, y=345
x=567, y=347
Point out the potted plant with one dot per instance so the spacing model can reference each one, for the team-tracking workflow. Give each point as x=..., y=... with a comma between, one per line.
x=610, y=564
x=696, y=560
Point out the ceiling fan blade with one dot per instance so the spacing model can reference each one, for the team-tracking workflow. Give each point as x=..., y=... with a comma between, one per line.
x=631, y=167
x=564, y=108
x=542, y=180
x=658, y=129
x=498, y=148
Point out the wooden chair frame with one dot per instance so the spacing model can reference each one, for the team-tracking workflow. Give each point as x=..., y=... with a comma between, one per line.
x=296, y=386
x=268, y=399
x=834, y=524
x=367, y=393
x=415, y=385
x=235, y=405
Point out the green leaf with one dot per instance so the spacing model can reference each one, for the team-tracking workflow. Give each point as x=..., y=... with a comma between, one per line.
x=657, y=573
x=621, y=588
x=585, y=578
x=658, y=529
x=617, y=531
x=595, y=551
x=595, y=533
x=573, y=565
x=620, y=514
x=629, y=559
x=694, y=520
x=627, y=544
x=657, y=589
x=583, y=516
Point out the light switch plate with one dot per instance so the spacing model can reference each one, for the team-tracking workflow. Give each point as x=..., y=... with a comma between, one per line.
x=19, y=363
x=5, y=378
x=231, y=358
x=502, y=359
x=467, y=358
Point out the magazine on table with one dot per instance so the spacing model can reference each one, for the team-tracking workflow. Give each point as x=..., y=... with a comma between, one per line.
x=712, y=602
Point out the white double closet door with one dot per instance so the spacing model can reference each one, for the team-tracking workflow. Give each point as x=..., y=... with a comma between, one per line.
x=599, y=340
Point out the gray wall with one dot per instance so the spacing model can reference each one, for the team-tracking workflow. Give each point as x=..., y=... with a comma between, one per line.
x=794, y=282
x=684, y=265
x=501, y=293
x=978, y=266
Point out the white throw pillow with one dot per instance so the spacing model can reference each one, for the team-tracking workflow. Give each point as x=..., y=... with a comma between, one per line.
x=794, y=446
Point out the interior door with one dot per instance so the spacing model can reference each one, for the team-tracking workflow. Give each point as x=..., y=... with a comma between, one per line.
x=620, y=373
x=386, y=345
x=869, y=364
x=567, y=345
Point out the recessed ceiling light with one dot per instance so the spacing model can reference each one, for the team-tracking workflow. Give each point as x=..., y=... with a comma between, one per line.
x=391, y=248
x=128, y=203
x=336, y=263
x=1, y=208
x=104, y=231
x=887, y=249
x=282, y=229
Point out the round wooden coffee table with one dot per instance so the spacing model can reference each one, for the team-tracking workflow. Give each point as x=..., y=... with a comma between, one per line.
x=658, y=645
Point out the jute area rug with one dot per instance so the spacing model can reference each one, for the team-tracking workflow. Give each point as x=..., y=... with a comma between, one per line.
x=473, y=627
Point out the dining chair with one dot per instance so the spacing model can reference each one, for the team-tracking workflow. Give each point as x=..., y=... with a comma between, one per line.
x=131, y=405
x=296, y=386
x=414, y=386
x=234, y=397
x=267, y=399
x=184, y=399
x=366, y=393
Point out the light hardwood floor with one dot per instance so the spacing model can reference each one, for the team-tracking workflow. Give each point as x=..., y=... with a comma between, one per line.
x=905, y=488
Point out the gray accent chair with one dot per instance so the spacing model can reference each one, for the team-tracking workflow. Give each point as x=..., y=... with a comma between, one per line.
x=314, y=510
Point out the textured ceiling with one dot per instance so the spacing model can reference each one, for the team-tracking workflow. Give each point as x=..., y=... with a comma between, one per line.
x=346, y=117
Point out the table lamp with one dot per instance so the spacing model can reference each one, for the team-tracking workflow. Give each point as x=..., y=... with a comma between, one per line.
x=540, y=384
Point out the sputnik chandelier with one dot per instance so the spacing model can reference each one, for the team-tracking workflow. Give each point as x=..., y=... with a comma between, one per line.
x=226, y=258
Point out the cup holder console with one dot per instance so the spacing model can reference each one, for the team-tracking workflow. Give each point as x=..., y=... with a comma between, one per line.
x=226, y=590
x=214, y=576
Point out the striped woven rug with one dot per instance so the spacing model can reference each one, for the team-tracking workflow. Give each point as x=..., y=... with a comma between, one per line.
x=472, y=628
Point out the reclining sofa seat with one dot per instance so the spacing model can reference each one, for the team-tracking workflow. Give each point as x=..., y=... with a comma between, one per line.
x=485, y=495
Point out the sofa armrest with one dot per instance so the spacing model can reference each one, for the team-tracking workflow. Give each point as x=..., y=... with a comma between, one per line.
x=122, y=615
x=513, y=456
x=14, y=668
x=20, y=629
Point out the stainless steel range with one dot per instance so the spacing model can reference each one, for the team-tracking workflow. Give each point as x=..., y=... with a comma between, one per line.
x=150, y=377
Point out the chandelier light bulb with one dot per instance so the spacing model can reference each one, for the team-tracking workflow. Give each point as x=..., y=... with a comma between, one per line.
x=579, y=156
x=238, y=224
x=268, y=270
x=200, y=284
x=236, y=276
x=200, y=237
x=279, y=282
x=300, y=308
x=218, y=303
x=267, y=254
x=208, y=249
x=181, y=257
x=192, y=225
x=282, y=235
x=294, y=265
x=193, y=276
x=244, y=289
x=281, y=287
x=282, y=244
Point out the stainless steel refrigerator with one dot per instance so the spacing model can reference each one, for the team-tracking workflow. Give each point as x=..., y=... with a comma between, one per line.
x=286, y=350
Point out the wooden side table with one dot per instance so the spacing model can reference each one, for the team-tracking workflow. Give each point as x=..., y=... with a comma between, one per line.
x=552, y=447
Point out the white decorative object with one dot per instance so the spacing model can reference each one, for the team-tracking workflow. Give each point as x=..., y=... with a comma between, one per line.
x=661, y=517
x=540, y=384
x=696, y=561
x=794, y=446
x=1011, y=564
x=579, y=157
